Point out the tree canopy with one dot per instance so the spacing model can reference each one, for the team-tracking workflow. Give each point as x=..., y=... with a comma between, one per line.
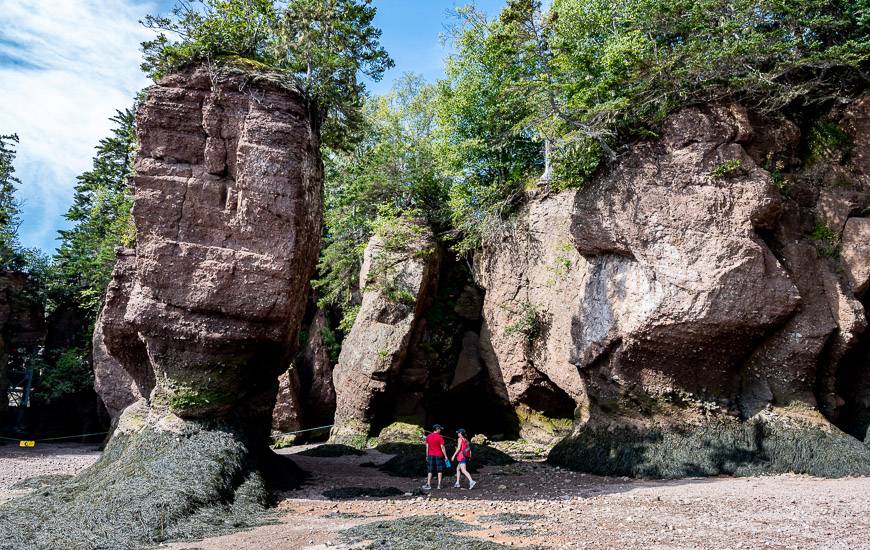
x=323, y=45
x=9, y=207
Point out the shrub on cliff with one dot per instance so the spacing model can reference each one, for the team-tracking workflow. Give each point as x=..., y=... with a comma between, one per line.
x=321, y=44
x=566, y=88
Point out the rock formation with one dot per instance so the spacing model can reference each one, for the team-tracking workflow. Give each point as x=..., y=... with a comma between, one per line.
x=286, y=415
x=397, y=282
x=201, y=317
x=122, y=374
x=703, y=308
x=698, y=308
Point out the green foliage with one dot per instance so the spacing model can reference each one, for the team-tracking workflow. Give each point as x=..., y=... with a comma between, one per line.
x=728, y=168
x=101, y=213
x=489, y=150
x=827, y=141
x=331, y=342
x=67, y=373
x=390, y=175
x=526, y=322
x=323, y=45
x=588, y=76
x=9, y=208
x=826, y=240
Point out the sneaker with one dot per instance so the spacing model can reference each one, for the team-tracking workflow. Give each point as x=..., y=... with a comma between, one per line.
x=456, y=485
x=472, y=484
x=439, y=487
x=427, y=487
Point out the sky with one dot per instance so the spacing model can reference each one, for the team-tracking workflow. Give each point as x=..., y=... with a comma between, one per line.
x=66, y=66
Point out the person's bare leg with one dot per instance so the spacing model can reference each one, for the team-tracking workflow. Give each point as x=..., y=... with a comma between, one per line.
x=466, y=473
x=429, y=479
x=439, y=479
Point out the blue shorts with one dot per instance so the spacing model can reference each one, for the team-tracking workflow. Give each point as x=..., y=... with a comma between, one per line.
x=464, y=461
x=434, y=464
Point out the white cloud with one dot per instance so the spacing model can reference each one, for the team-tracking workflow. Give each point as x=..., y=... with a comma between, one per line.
x=65, y=67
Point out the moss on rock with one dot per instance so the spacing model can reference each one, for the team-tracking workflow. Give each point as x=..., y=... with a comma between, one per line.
x=401, y=432
x=168, y=480
x=769, y=443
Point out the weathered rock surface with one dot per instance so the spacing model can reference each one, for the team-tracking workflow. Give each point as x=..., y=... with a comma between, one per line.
x=691, y=306
x=533, y=277
x=227, y=207
x=397, y=285
x=122, y=374
x=855, y=248
x=315, y=374
x=286, y=416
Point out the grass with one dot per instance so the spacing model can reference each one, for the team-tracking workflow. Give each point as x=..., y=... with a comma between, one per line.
x=728, y=168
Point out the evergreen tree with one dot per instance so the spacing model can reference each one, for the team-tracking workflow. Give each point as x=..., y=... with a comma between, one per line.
x=10, y=258
x=322, y=45
x=101, y=213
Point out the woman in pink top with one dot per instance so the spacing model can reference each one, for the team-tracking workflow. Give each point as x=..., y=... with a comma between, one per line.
x=461, y=456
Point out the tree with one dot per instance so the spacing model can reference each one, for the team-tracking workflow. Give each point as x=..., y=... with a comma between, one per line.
x=9, y=206
x=101, y=213
x=323, y=45
x=490, y=149
x=394, y=172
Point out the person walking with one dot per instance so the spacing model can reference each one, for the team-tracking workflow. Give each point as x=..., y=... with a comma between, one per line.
x=436, y=453
x=461, y=456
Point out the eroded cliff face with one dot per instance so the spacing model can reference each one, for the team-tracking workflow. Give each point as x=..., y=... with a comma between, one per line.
x=707, y=325
x=698, y=308
x=200, y=318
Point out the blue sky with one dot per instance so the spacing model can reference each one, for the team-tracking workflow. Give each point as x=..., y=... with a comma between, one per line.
x=67, y=65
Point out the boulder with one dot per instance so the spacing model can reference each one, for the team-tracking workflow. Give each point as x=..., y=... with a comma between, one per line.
x=397, y=282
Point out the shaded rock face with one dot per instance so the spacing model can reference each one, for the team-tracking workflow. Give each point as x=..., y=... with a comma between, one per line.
x=306, y=398
x=317, y=395
x=201, y=317
x=397, y=286
x=682, y=298
x=286, y=415
x=122, y=373
x=21, y=327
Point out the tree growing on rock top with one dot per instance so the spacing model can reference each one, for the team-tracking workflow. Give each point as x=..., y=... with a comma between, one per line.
x=321, y=45
x=228, y=225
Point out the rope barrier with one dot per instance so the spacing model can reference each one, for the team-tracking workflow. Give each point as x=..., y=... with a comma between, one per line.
x=61, y=438
x=302, y=431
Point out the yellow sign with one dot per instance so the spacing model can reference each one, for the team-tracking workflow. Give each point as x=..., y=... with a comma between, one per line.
x=27, y=443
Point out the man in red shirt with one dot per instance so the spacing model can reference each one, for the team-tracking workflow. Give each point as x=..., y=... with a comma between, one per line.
x=435, y=455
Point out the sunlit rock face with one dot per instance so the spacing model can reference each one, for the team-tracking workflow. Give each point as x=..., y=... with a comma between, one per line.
x=227, y=208
x=684, y=304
